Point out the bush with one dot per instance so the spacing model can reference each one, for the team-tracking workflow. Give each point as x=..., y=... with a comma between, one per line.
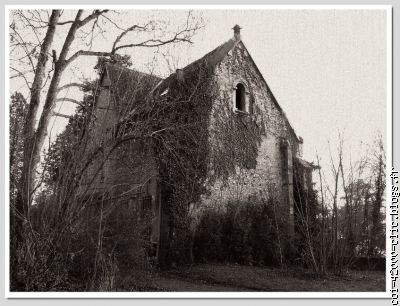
x=242, y=232
x=35, y=271
x=81, y=255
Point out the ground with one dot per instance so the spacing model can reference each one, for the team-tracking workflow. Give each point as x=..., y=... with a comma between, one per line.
x=218, y=277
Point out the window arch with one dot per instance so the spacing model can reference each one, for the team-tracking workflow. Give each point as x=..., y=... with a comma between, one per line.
x=240, y=97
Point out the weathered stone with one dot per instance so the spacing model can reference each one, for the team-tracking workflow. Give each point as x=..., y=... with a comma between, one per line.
x=252, y=149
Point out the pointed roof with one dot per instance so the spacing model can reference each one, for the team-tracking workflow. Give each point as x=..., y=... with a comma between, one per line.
x=211, y=60
x=123, y=78
x=215, y=56
x=127, y=86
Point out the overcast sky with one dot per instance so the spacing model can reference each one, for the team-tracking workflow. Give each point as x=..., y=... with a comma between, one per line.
x=326, y=68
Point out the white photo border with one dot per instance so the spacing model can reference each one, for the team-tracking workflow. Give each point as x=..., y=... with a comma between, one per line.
x=215, y=295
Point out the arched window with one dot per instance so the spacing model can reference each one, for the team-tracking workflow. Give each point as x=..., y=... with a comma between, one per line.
x=240, y=103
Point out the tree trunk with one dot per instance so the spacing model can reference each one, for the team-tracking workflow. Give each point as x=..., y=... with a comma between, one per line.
x=34, y=139
x=367, y=235
x=30, y=159
x=19, y=213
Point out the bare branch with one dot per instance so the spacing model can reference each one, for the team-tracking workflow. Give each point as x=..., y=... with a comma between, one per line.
x=70, y=85
x=70, y=100
x=113, y=23
x=62, y=115
x=92, y=16
x=65, y=22
x=151, y=43
x=28, y=53
x=88, y=53
x=130, y=29
x=22, y=75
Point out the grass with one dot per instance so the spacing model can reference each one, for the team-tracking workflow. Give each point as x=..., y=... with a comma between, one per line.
x=219, y=277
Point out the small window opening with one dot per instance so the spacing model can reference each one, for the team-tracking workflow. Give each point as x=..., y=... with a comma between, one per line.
x=145, y=207
x=240, y=97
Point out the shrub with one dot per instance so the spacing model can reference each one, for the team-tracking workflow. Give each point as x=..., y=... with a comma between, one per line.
x=79, y=255
x=241, y=232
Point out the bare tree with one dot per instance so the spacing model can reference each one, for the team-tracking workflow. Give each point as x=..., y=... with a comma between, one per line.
x=335, y=170
x=378, y=171
x=40, y=60
x=351, y=218
x=45, y=70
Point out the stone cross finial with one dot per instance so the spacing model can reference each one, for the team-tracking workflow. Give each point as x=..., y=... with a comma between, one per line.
x=236, y=32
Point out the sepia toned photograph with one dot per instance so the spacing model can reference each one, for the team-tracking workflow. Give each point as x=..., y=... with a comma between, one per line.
x=198, y=150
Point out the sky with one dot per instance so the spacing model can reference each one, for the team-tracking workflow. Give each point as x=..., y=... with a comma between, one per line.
x=326, y=68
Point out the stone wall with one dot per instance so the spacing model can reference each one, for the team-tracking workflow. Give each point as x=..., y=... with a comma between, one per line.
x=128, y=167
x=128, y=175
x=271, y=172
x=251, y=151
x=95, y=178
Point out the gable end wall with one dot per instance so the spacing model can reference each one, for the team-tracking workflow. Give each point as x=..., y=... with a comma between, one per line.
x=272, y=174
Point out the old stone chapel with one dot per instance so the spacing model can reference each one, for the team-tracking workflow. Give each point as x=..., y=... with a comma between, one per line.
x=252, y=150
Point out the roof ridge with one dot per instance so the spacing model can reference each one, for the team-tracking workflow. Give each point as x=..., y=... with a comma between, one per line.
x=114, y=65
x=217, y=54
